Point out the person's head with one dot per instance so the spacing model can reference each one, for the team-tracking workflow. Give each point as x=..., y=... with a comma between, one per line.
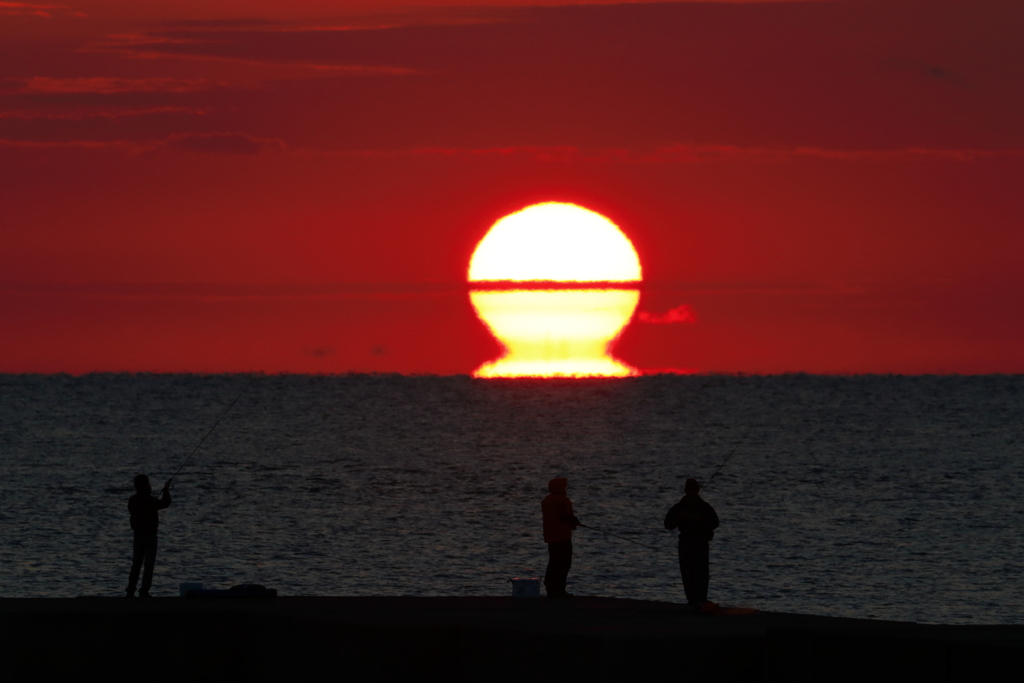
x=691, y=488
x=558, y=485
x=142, y=484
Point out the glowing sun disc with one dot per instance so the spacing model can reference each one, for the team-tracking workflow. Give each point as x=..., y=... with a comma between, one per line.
x=565, y=330
x=556, y=242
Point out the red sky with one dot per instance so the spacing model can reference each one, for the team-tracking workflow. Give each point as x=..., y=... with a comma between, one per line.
x=227, y=185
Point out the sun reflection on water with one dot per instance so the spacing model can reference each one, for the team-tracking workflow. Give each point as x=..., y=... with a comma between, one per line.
x=556, y=333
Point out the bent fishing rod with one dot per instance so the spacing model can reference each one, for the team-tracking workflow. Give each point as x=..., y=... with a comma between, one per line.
x=724, y=462
x=731, y=453
x=644, y=545
x=223, y=415
x=740, y=443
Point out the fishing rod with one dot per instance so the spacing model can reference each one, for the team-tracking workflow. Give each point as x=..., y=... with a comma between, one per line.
x=724, y=462
x=740, y=443
x=223, y=415
x=628, y=540
x=731, y=453
x=644, y=545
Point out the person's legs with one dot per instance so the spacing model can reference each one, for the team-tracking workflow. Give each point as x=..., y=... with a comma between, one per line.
x=559, y=562
x=702, y=573
x=150, y=559
x=549, y=573
x=686, y=572
x=693, y=567
x=138, y=553
x=567, y=563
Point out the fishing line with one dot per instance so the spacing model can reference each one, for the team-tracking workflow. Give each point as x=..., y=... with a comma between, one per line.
x=731, y=453
x=223, y=415
x=628, y=540
x=724, y=462
x=740, y=443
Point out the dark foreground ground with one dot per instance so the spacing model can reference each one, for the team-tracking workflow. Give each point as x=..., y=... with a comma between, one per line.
x=478, y=639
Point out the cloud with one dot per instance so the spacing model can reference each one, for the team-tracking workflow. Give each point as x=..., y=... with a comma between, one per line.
x=123, y=145
x=929, y=70
x=29, y=9
x=631, y=76
x=236, y=142
x=212, y=292
x=279, y=69
x=85, y=115
x=206, y=143
x=219, y=23
x=682, y=153
x=539, y=153
x=687, y=154
x=106, y=85
x=199, y=47
x=679, y=314
x=223, y=143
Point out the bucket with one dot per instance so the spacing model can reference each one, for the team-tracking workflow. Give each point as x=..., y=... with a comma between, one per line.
x=186, y=587
x=525, y=588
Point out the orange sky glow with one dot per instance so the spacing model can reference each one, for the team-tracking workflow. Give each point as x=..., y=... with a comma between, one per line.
x=828, y=186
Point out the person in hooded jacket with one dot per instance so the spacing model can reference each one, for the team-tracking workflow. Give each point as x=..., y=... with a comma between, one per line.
x=143, y=508
x=696, y=521
x=559, y=523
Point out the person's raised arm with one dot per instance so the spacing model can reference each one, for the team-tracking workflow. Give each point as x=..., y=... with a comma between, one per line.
x=712, y=519
x=672, y=518
x=569, y=516
x=165, y=496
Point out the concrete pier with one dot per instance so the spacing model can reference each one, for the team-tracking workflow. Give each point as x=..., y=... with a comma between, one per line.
x=479, y=639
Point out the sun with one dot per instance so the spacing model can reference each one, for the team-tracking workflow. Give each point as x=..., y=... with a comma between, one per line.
x=555, y=242
x=552, y=283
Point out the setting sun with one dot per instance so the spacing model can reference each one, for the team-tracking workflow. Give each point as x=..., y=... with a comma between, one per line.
x=555, y=331
x=555, y=242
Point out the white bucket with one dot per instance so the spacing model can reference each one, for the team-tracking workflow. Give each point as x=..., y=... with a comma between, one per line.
x=525, y=588
x=186, y=587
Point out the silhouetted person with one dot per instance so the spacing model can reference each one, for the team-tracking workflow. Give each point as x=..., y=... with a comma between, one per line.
x=696, y=521
x=145, y=520
x=559, y=523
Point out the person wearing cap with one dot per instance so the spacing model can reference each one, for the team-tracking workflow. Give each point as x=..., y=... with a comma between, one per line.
x=559, y=523
x=696, y=521
x=143, y=508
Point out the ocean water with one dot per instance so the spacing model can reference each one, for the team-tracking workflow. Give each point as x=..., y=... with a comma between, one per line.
x=868, y=496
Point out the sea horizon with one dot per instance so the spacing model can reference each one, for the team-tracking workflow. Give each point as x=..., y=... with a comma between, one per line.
x=871, y=496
